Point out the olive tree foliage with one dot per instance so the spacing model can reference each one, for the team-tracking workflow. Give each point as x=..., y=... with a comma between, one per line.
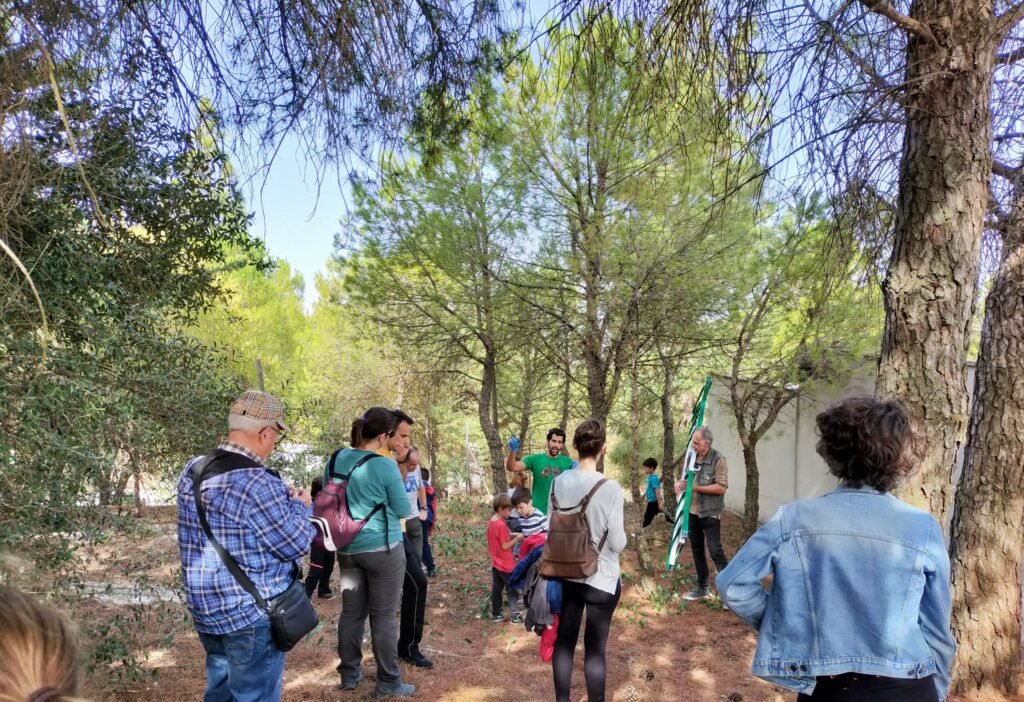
x=116, y=216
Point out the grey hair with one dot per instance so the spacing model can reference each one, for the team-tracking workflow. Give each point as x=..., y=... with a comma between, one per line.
x=706, y=434
x=251, y=425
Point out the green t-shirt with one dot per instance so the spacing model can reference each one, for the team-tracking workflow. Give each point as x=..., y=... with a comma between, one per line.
x=545, y=469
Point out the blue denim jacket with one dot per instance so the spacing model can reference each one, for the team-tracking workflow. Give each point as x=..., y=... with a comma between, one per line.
x=860, y=583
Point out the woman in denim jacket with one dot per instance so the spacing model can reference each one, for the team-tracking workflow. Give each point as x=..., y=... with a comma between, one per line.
x=859, y=603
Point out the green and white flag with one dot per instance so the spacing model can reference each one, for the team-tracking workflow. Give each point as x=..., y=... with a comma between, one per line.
x=681, y=527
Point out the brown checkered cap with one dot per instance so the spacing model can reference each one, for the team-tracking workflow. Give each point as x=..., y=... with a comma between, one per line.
x=261, y=406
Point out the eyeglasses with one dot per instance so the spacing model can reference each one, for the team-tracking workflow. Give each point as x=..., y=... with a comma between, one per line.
x=280, y=434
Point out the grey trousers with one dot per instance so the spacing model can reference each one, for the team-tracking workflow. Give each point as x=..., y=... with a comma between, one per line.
x=414, y=530
x=371, y=584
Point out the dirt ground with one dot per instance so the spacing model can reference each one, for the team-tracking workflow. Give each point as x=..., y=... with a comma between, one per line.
x=661, y=647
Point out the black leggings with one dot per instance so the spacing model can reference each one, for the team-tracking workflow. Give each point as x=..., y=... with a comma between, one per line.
x=599, y=606
x=857, y=687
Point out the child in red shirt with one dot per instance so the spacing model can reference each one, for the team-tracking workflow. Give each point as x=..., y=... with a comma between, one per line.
x=499, y=545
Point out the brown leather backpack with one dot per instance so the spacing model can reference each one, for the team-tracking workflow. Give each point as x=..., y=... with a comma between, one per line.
x=569, y=551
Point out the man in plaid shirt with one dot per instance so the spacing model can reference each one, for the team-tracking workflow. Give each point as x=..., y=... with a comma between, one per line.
x=264, y=525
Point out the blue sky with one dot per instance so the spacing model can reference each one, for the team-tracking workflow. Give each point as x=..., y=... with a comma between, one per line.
x=296, y=223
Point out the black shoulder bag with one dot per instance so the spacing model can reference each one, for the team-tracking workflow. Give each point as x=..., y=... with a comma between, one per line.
x=291, y=613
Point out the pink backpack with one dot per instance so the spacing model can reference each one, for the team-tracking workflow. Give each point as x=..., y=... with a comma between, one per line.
x=335, y=525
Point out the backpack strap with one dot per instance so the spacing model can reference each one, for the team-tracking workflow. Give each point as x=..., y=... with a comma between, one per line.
x=597, y=486
x=330, y=465
x=582, y=504
x=360, y=462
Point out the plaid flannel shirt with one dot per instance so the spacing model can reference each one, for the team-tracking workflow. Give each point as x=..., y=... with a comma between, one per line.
x=251, y=515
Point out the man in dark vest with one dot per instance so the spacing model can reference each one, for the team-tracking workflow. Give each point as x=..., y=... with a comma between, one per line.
x=712, y=478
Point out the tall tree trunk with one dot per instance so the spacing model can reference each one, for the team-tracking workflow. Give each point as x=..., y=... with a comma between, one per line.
x=752, y=493
x=524, y=420
x=137, y=474
x=430, y=434
x=566, y=390
x=989, y=514
x=668, y=436
x=488, y=392
x=645, y=560
x=634, y=431
x=943, y=195
x=529, y=389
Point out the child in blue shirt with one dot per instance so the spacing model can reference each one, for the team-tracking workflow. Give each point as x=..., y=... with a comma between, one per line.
x=654, y=496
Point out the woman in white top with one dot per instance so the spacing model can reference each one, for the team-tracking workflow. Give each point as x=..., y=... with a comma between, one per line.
x=597, y=595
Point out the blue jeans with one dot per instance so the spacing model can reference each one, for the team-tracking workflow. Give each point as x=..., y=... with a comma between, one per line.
x=243, y=666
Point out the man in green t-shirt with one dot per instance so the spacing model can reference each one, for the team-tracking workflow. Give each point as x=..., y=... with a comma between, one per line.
x=544, y=467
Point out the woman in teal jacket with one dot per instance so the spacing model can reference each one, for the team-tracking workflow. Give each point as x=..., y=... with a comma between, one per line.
x=372, y=566
x=859, y=604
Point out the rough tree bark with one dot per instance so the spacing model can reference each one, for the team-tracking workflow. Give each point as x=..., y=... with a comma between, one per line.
x=645, y=560
x=755, y=414
x=634, y=429
x=988, y=519
x=668, y=435
x=431, y=438
x=488, y=420
x=943, y=195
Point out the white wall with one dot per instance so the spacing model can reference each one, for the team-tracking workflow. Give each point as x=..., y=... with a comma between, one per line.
x=790, y=468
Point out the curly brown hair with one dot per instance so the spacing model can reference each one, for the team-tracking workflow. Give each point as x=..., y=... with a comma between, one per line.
x=871, y=442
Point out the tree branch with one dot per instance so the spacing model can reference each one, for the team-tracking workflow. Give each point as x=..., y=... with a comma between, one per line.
x=1009, y=135
x=1001, y=169
x=1011, y=56
x=910, y=24
x=1008, y=20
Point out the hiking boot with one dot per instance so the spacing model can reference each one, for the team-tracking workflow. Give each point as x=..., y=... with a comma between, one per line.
x=350, y=683
x=431, y=572
x=697, y=593
x=395, y=689
x=517, y=618
x=326, y=595
x=417, y=659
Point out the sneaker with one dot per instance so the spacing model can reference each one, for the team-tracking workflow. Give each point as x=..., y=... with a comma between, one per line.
x=326, y=595
x=432, y=572
x=351, y=683
x=417, y=659
x=497, y=618
x=397, y=689
x=517, y=618
x=697, y=593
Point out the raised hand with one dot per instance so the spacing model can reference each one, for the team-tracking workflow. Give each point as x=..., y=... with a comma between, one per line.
x=513, y=444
